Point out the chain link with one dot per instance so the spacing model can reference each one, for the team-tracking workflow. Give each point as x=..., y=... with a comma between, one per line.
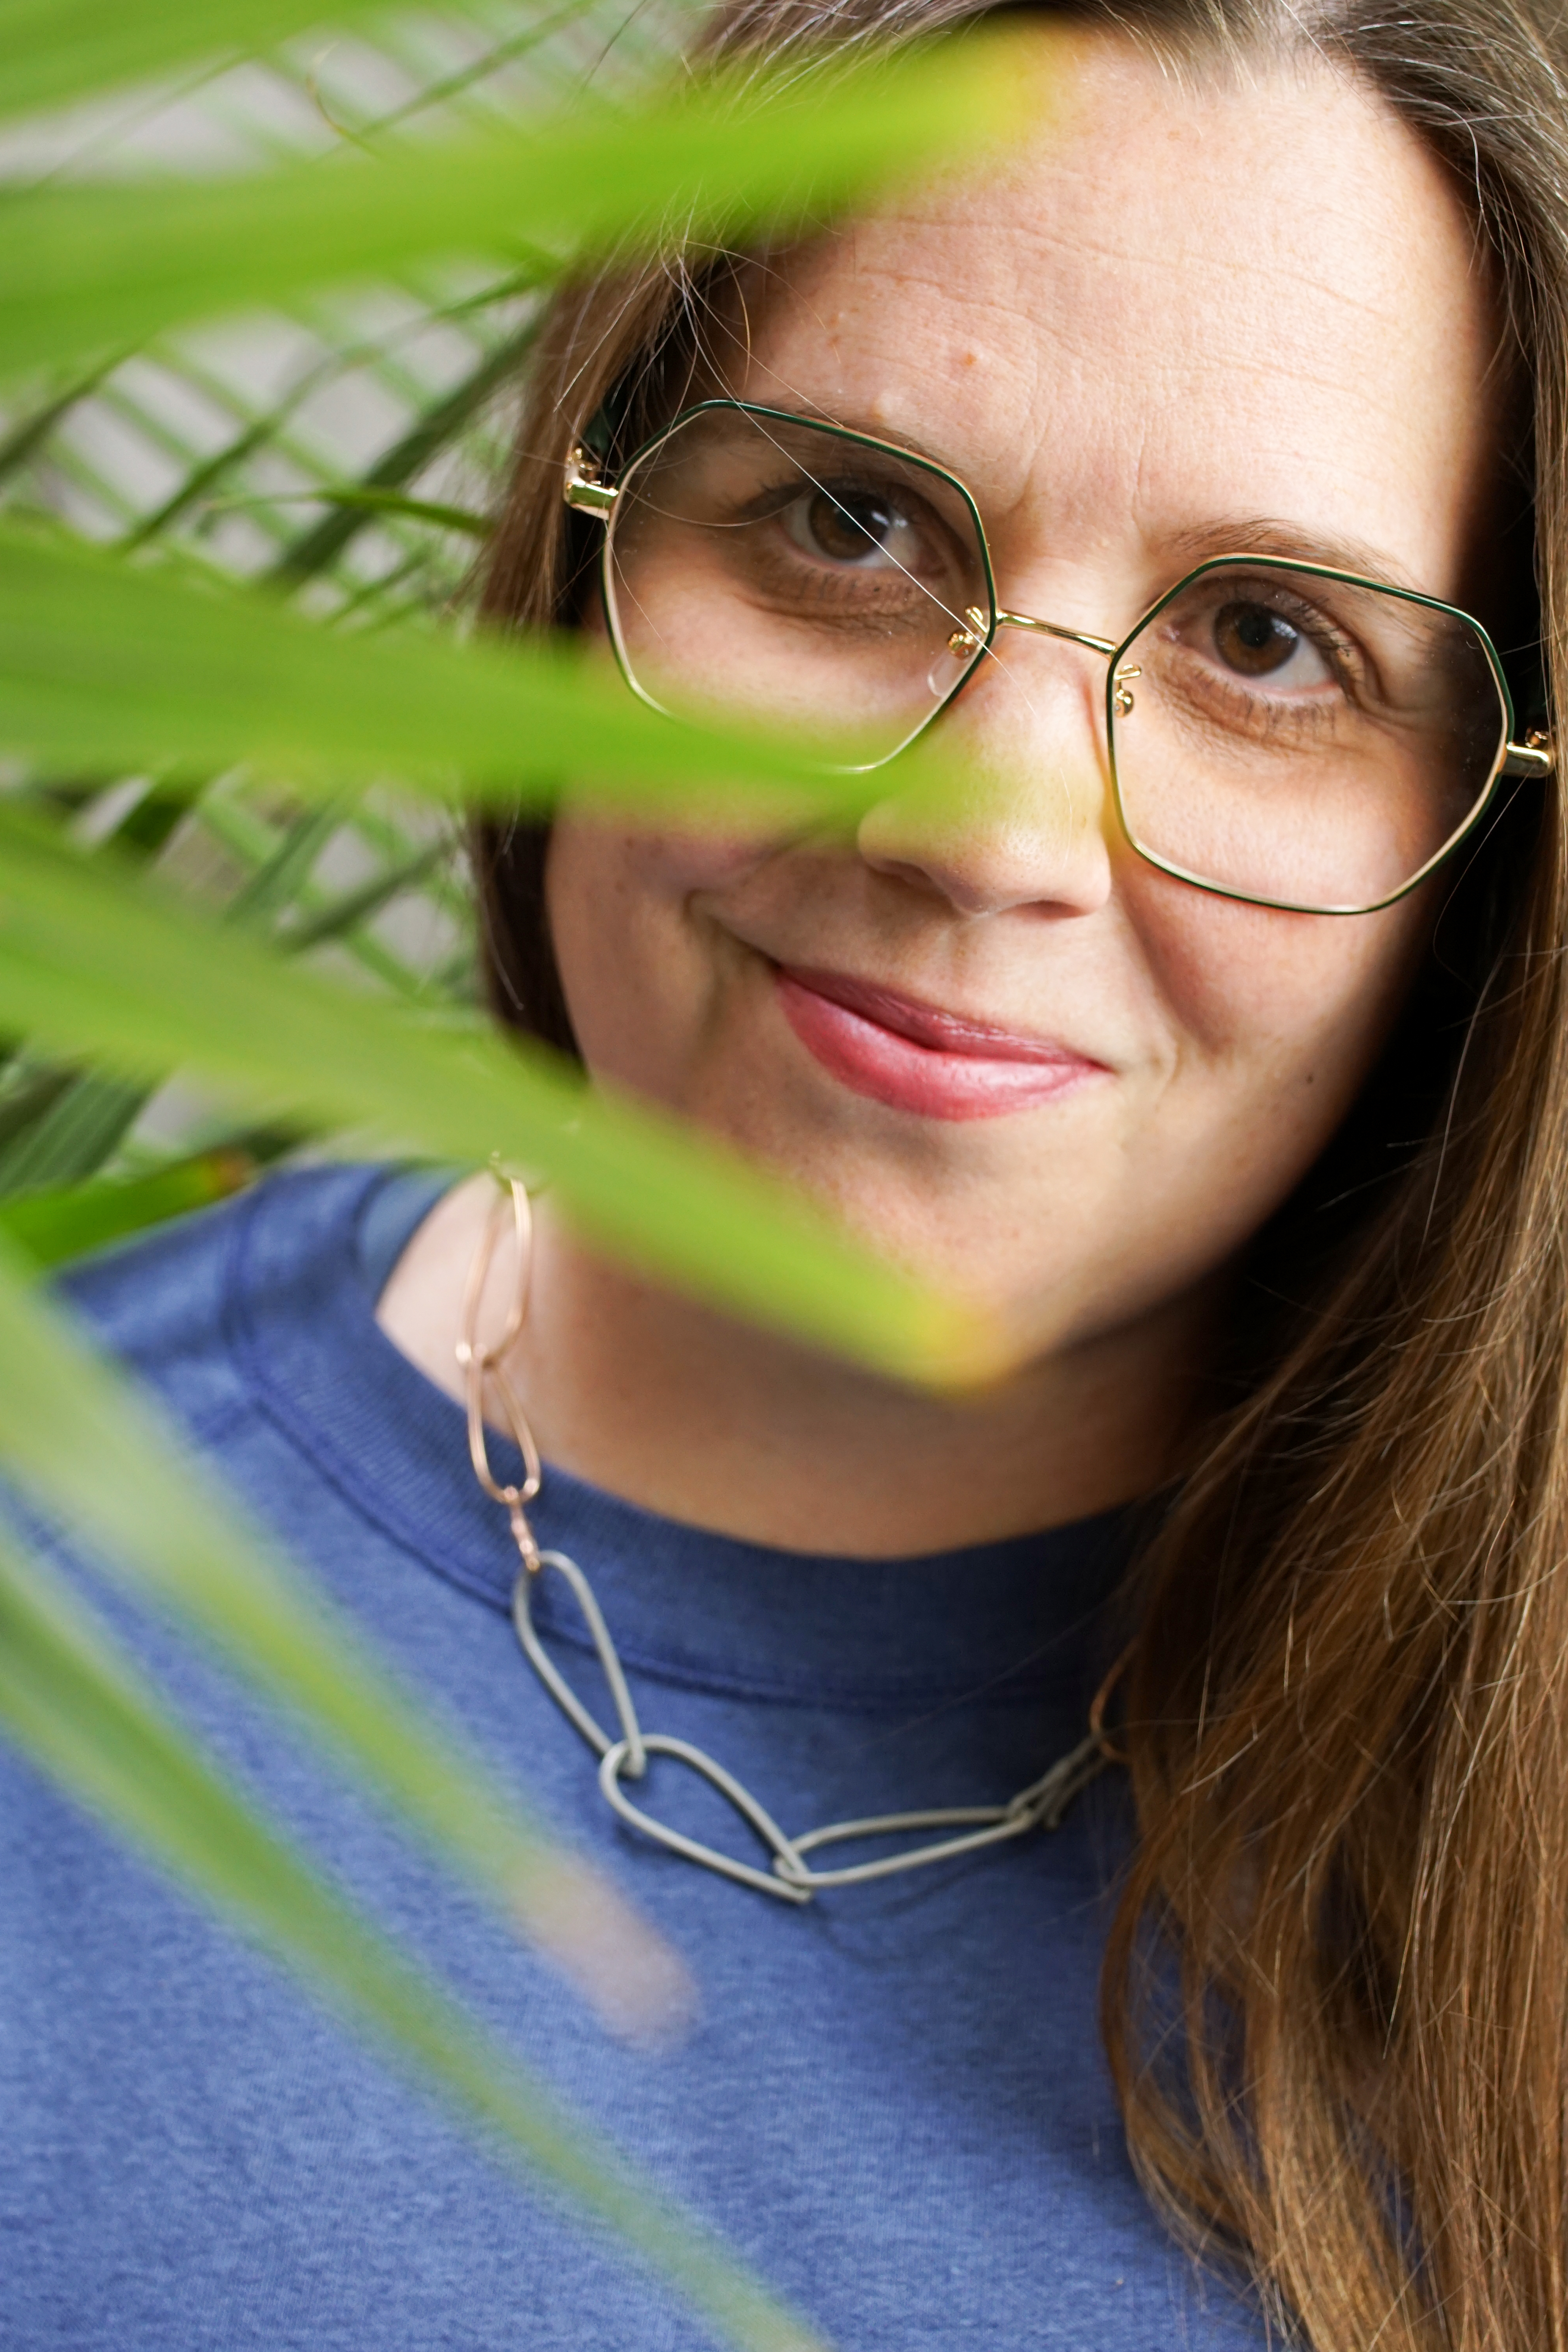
x=964, y=1829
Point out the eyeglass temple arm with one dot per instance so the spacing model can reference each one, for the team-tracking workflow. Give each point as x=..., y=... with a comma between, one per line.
x=585, y=486
x=1536, y=756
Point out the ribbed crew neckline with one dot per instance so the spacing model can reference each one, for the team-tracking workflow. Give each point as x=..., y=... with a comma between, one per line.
x=1027, y=1619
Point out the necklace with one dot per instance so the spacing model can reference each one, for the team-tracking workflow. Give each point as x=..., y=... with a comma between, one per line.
x=789, y=1876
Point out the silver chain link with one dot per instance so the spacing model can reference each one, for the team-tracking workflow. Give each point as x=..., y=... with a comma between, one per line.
x=965, y=1828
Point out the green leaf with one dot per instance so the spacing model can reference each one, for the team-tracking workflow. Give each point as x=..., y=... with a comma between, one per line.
x=68, y=1221
x=53, y=50
x=200, y=476
x=73, y=1137
x=29, y=434
x=76, y=1704
x=429, y=433
x=278, y=882
x=313, y=927
x=108, y=668
x=84, y=267
x=29, y=1090
x=93, y=963
x=374, y=502
x=95, y=1454
x=250, y=840
x=435, y=427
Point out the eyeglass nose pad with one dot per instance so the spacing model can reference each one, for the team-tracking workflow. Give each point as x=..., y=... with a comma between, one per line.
x=946, y=670
x=962, y=646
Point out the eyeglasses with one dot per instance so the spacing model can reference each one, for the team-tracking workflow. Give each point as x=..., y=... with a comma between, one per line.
x=1276, y=732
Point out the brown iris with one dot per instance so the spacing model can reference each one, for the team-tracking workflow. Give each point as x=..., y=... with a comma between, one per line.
x=849, y=527
x=1252, y=639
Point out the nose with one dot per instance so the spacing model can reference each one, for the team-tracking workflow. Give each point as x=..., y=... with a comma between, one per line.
x=1020, y=813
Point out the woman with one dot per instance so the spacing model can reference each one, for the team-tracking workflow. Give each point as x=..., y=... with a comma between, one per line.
x=1183, y=476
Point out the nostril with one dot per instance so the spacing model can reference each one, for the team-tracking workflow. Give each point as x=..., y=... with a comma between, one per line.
x=1035, y=836
x=911, y=873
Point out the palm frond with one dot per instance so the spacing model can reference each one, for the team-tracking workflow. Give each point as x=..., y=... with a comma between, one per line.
x=196, y=820
x=86, y=268
x=56, y=1223
x=94, y=1455
x=108, y=669
x=87, y=963
x=59, y=50
x=73, y=1701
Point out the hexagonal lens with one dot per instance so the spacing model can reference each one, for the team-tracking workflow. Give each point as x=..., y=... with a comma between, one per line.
x=767, y=568
x=1289, y=736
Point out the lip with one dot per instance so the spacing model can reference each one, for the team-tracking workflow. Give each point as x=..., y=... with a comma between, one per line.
x=915, y=1057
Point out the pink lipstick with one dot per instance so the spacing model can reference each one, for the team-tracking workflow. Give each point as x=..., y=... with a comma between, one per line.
x=914, y=1057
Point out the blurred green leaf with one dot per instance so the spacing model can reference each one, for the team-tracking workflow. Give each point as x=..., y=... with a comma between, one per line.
x=27, y=435
x=346, y=913
x=68, y=1221
x=93, y=1453
x=73, y=1135
x=436, y=426
x=53, y=50
x=314, y=916
x=430, y=432
x=30, y=1090
x=91, y=964
x=76, y=1704
x=374, y=502
x=83, y=267
x=106, y=666
x=107, y=671
x=200, y=479
x=280, y=877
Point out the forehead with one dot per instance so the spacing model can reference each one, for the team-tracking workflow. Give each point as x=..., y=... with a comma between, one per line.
x=1248, y=296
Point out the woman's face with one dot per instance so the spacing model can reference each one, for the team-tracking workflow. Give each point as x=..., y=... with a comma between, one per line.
x=1245, y=315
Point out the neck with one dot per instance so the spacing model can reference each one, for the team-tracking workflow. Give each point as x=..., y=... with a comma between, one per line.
x=708, y=1422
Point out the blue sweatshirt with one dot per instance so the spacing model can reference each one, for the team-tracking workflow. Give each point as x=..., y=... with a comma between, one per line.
x=893, y=2103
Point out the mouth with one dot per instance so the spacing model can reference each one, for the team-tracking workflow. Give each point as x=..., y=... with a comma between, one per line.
x=915, y=1057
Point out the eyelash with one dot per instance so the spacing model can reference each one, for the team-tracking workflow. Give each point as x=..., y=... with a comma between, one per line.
x=767, y=505
x=881, y=599
x=1345, y=659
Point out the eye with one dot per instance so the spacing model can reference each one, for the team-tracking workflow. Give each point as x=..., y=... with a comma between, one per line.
x=1255, y=641
x=863, y=527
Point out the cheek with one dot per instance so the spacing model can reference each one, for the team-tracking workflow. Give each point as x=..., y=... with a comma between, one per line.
x=633, y=968
x=594, y=869
x=1283, y=1014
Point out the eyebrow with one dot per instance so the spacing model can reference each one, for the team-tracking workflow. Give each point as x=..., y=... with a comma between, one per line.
x=1266, y=535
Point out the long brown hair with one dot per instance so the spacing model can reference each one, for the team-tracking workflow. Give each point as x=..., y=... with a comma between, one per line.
x=1335, y=1995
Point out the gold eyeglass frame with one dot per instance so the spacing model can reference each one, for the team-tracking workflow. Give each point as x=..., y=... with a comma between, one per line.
x=586, y=490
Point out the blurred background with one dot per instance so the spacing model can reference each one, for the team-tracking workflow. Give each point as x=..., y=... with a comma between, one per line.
x=348, y=451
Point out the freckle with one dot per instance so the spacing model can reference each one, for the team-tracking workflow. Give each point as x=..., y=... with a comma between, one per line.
x=970, y=359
